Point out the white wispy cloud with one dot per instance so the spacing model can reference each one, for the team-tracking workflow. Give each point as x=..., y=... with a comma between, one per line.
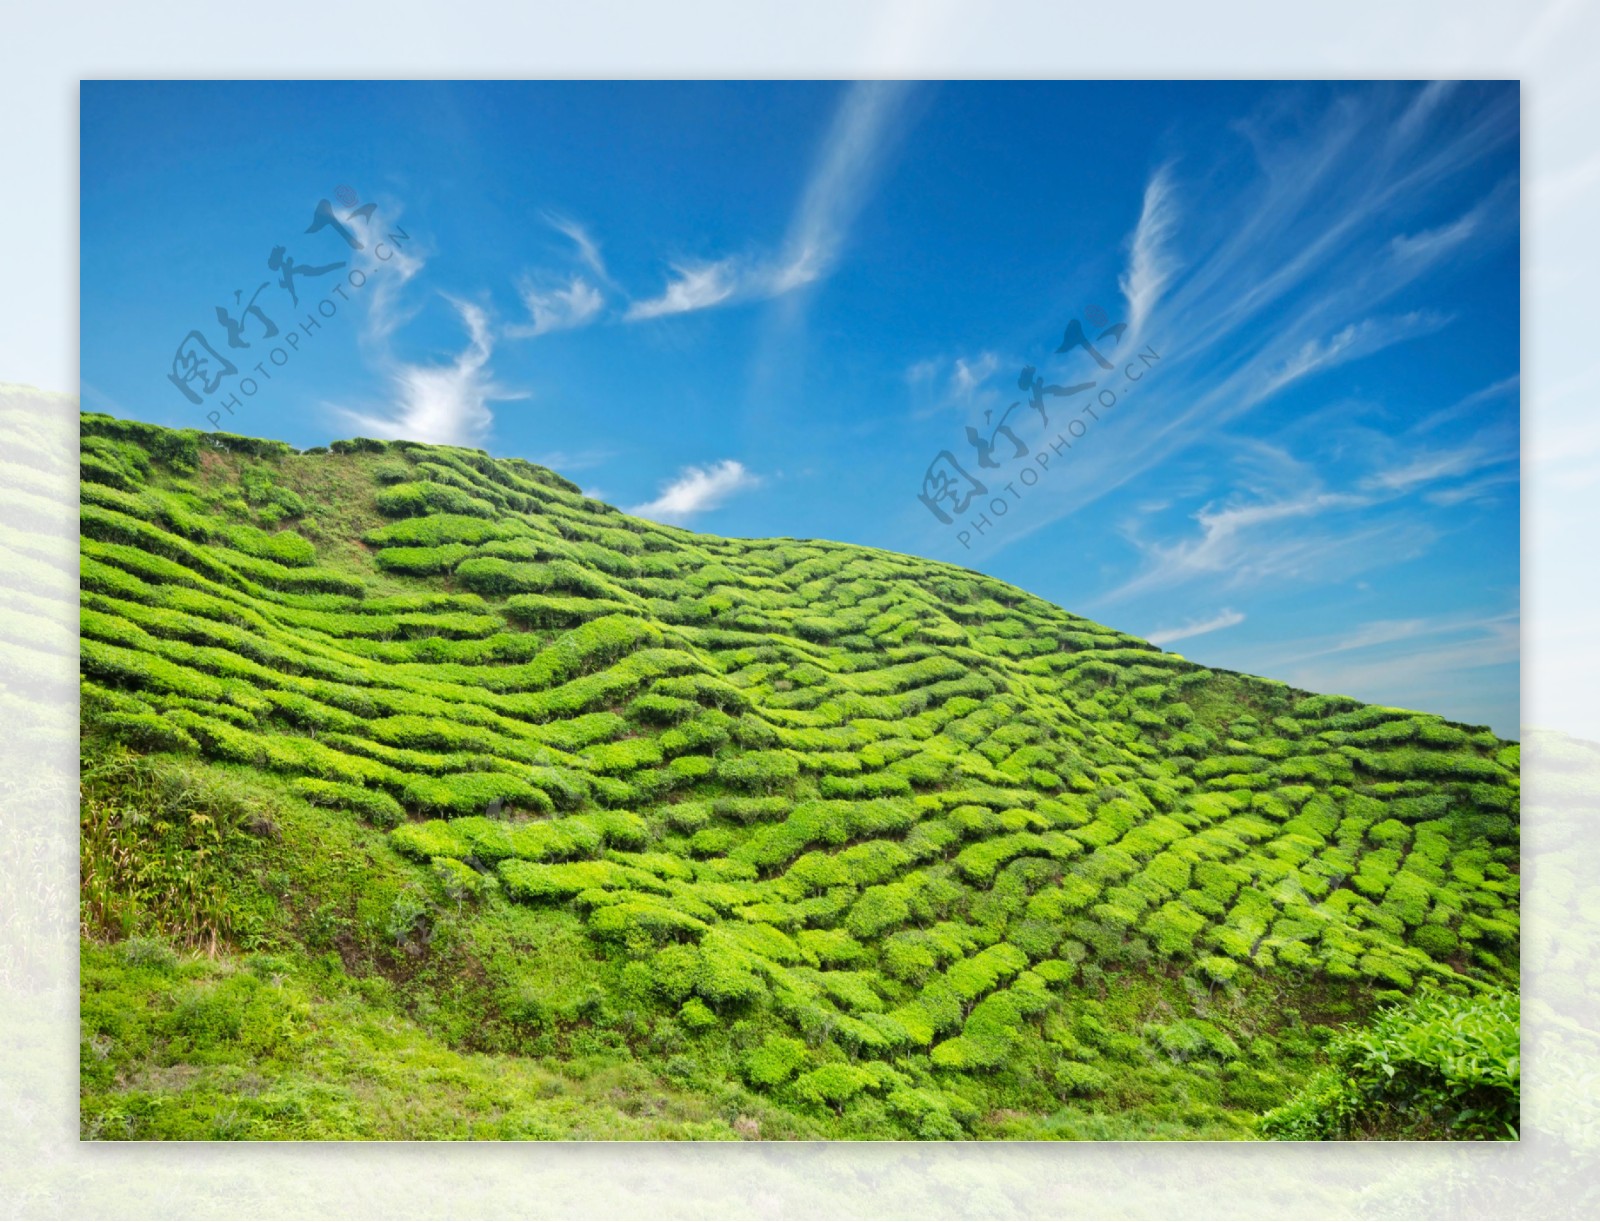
x=966, y=376
x=1284, y=524
x=1429, y=467
x=556, y=308
x=1422, y=108
x=1469, y=404
x=1150, y=262
x=697, y=489
x=1223, y=619
x=563, y=301
x=1349, y=343
x=1484, y=490
x=588, y=248
x=1416, y=663
x=1274, y=279
x=1375, y=632
x=1434, y=243
x=1242, y=541
x=691, y=287
x=448, y=403
x=960, y=385
x=389, y=306
x=839, y=184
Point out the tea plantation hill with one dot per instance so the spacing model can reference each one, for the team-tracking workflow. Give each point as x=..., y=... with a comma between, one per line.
x=426, y=796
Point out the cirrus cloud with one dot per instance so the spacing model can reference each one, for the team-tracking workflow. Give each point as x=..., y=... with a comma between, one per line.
x=692, y=287
x=1223, y=619
x=556, y=308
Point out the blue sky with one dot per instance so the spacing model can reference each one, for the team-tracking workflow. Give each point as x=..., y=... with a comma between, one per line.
x=769, y=308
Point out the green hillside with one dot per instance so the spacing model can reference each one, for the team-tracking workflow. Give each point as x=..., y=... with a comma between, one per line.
x=425, y=796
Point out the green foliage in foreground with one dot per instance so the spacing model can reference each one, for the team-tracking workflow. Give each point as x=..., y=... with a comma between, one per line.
x=816, y=840
x=1434, y=1066
x=190, y=1048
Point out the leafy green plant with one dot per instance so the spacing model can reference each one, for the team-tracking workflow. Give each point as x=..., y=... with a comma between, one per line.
x=1436, y=1064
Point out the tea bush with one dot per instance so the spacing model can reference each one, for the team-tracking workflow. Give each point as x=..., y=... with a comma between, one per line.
x=762, y=771
x=377, y=807
x=419, y=497
x=1434, y=1064
x=469, y=792
x=818, y=804
x=777, y=1060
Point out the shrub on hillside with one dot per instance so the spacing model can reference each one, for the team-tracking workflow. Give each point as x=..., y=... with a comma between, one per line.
x=147, y=731
x=1436, y=1065
x=559, y=611
x=373, y=805
x=423, y=561
x=421, y=497
x=497, y=578
x=467, y=793
x=761, y=771
x=872, y=785
x=284, y=546
x=834, y=1085
x=777, y=1060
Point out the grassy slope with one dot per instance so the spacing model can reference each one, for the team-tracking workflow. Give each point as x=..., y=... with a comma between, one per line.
x=787, y=838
